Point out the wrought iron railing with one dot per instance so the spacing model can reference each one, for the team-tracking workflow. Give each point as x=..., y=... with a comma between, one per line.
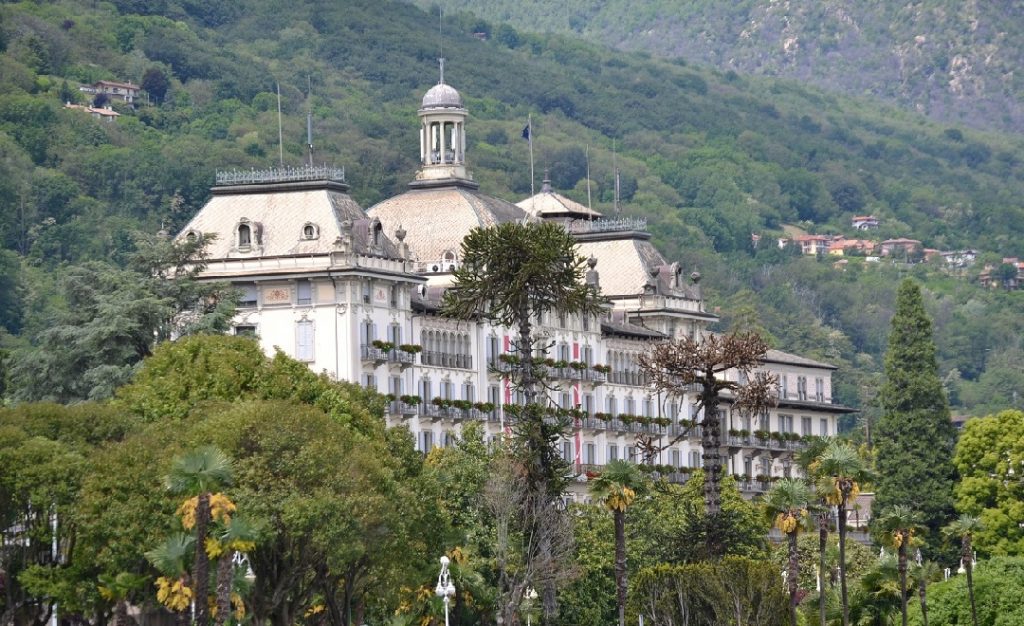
x=280, y=175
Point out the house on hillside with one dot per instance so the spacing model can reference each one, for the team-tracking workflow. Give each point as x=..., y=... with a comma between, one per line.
x=101, y=113
x=809, y=244
x=959, y=259
x=841, y=246
x=125, y=92
x=865, y=222
x=900, y=247
x=1002, y=275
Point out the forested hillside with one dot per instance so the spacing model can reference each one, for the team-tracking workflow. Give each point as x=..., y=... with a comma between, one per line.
x=955, y=61
x=708, y=158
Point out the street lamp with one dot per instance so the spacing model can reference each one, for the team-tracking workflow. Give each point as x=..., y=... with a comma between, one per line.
x=530, y=598
x=445, y=587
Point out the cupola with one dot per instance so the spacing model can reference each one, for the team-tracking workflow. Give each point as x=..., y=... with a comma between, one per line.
x=442, y=134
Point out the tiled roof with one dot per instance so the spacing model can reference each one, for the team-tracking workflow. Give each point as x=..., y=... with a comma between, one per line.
x=623, y=264
x=280, y=212
x=778, y=356
x=437, y=219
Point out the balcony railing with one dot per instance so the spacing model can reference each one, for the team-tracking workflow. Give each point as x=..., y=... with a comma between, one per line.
x=405, y=359
x=446, y=359
x=372, y=354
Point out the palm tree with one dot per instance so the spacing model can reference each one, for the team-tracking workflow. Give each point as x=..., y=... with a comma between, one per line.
x=964, y=527
x=236, y=537
x=900, y=522
x=617, y=487
x=924, y=573
x=118, y=589
x=170, y=559
x=199, y=474
x=824, y=517
x=786, y=504
x=840, y=471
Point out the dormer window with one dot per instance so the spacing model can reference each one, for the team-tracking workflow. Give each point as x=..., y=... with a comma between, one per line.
x=244, y=235
x=192, y=236
x=310, y=231
x=377, y=230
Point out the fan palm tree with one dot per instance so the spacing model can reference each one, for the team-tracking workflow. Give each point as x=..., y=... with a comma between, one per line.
x=170, y=558
x=964, y=527
x=786, y=505
x=617, y=487
x=118, y=589
x=900, y=522
x=924, y=573
x=840, y=471
x=236, y=537
x=198, y=475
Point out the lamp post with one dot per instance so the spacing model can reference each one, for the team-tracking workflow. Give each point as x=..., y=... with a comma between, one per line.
x=445, y=588
x=528, y=600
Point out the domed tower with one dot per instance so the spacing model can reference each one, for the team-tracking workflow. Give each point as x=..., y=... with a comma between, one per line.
x=443, y=203
x=442, y=134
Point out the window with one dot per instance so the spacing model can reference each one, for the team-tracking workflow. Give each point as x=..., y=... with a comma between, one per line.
x=469, y=392
x=677, y=458
x=369, y=381
x=192, y=236
x=806, y=426
x=366, y=291
x=395, y=334
x=567, y=451
x=426, y=389
x=819, y=389
x=694, y=458
x=631, y=454
x=565, y=401
x=396, y=386
x=824, y=427
x=613, y=452
x=394, y=296
x=304, y=340
x=368, y=332
x=613, y=405
x=244, y=236
x=588, y=404
x=783, y=387
x=248, y=297
x=493, y=350
x=785, y=423
x=590, y=454
x=304, y=291
x=586, y=321
x=245, y=331
x=647, y=407
x=801, y=388
x=748, y=466
x=629, y=406
x=426, y=441
x=446, y=390
x=310, y=231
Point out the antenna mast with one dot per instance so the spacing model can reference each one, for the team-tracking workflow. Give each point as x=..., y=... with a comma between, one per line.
x=589, y=204
x=309, y=118
x=615, y=166
x=280, y=133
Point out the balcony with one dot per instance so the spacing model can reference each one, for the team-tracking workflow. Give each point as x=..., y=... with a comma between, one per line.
x=398, y=407
x=445, y=359
x=401, y=358
x=373, y=355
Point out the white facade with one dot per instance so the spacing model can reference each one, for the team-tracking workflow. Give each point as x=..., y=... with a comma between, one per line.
x=354, y=294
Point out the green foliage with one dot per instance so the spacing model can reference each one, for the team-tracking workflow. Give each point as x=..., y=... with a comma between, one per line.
x=989, y=458
x=914, y=438
x=998, y=585
x=735, y=590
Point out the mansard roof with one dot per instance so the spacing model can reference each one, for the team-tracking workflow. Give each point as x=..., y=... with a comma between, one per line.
x=279, y=212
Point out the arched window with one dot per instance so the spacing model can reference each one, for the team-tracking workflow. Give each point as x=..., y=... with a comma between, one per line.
x=244, y=236
x=310, y=231
x=192, y=236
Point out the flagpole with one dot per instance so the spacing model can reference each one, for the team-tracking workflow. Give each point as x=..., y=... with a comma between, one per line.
x=529, y=125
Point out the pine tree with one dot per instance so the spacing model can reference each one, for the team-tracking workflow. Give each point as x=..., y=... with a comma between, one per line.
x=914, y=437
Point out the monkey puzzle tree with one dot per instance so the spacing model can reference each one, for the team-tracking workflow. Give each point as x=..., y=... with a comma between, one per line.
x=678, y=365
x=511, y=274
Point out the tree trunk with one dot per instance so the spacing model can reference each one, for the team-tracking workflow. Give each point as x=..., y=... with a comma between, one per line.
x=620, y=565
x=121, y=613
x=922, y=593
x=901, y=566
x=201, y=577
x=967, y=556
x=793, y=575
x=842, y=561
x=224, y=579
x=711, y=442
x=822, y=546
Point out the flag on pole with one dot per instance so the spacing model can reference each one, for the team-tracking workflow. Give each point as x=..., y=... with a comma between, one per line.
x=527, y=135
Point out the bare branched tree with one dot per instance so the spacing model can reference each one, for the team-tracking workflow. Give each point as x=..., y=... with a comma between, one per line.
x=700, y=365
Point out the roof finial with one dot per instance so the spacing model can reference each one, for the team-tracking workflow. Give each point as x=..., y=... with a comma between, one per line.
x=441, y=63
x=546, y=187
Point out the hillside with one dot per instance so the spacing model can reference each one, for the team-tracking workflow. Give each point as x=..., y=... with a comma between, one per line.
x=708, y=158
x=957, y=62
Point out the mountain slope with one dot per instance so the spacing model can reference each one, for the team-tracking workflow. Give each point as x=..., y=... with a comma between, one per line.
x=957, y=62
x=708, y=158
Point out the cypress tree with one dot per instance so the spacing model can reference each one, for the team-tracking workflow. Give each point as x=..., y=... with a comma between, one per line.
x=915, y=437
